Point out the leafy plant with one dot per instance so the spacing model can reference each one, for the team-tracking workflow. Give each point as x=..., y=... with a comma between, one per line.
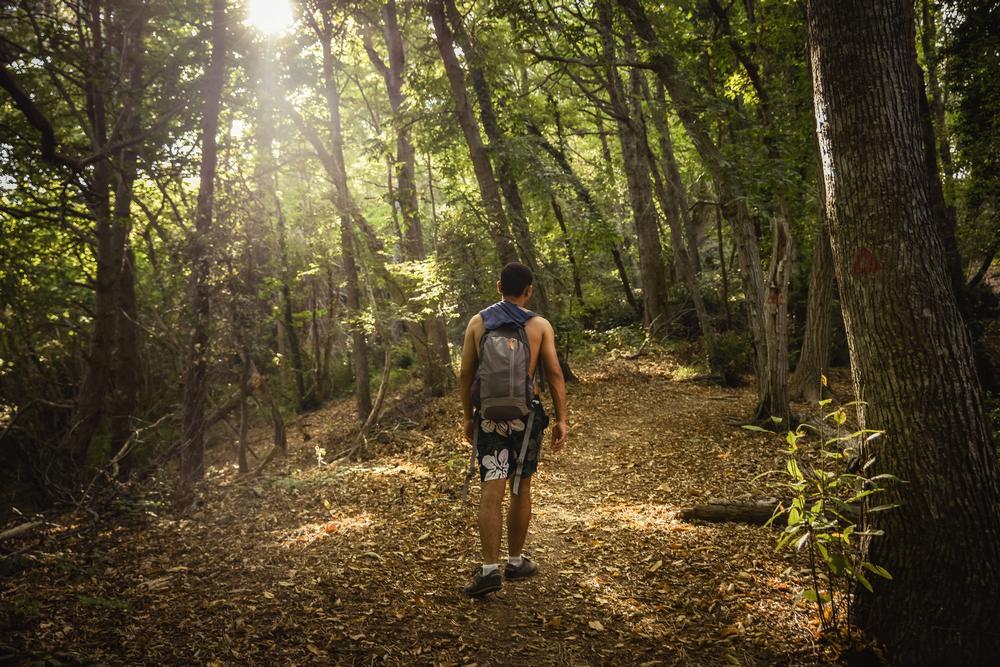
x=826, y=515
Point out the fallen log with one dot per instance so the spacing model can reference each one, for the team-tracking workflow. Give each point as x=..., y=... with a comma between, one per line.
x=18, y=530
x=731, y=512
x=754, y=513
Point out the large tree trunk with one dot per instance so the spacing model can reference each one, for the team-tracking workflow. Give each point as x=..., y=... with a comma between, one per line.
x=499, y=227
x=912, y=360
x=430, y=336
x=346, y=209
x=631, y=134
x=772, y=396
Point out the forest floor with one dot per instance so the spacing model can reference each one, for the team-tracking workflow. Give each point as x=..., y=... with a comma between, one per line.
x=363, y=562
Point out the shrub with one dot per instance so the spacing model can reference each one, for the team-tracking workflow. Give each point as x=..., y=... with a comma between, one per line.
x=827, y=516
x=732, y=356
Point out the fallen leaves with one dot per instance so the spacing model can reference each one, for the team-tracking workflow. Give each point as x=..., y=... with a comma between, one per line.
x=368, y=559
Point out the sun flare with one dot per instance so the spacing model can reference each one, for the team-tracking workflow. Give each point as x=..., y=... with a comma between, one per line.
x=271, y=17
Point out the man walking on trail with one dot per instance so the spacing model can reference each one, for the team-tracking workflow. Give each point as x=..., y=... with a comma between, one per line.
x=505, y=346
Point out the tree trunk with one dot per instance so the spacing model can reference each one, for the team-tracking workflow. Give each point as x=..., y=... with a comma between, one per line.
x=912, y=359
x=631, y=135
x=192, y=462
x=499, y=227
x=109, y=248
x=772, y=396
x=775, y=403
x=674, y=205
x=568, y=245
x=346, y=210
x=126, y=368
x=672, y=172
x=430, y=335
x=266, y=180
x=814, y=358
x=498, y=149
x=932, y=60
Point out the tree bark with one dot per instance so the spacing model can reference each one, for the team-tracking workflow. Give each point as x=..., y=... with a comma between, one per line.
x=499, y=226
x=912, y=358
x=631, y=134
x=192, y=463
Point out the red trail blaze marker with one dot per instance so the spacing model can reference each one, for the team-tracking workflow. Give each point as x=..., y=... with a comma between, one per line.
x=864, y=263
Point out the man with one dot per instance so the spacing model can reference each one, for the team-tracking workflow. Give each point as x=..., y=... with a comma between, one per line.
x=499, y=444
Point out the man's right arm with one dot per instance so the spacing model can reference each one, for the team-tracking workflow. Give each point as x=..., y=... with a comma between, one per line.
x=470, y=359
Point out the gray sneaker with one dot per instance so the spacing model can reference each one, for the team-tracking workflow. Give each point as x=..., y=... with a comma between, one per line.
x=482, y=584
x=527, y=568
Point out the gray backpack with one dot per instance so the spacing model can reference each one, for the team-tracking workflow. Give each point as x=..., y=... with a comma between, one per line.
x=504, y=388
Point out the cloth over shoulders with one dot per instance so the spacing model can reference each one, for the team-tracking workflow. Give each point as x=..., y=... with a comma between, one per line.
x=504, y=313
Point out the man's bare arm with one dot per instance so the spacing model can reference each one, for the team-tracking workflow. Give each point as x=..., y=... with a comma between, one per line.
x=557, y=385
x=470, y=360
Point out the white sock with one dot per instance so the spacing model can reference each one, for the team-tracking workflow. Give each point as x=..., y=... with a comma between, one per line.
x=489, y=568
x=515, y=560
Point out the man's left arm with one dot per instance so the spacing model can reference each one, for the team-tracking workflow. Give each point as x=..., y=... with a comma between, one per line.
x=557, y=386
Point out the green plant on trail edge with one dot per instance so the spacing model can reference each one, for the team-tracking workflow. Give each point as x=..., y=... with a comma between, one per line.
x=827, y=515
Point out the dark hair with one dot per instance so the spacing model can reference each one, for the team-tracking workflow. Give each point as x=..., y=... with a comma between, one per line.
x=515, y=279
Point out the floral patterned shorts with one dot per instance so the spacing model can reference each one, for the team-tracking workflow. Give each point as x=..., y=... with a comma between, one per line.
x=500, y=443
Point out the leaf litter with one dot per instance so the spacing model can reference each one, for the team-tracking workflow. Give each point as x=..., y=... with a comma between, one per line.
x=364, y=562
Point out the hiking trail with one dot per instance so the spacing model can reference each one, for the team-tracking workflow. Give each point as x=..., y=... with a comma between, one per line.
x=363, y=563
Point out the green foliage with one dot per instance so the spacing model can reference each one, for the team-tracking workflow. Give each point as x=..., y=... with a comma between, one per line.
x=733, y=356
x=825, y=515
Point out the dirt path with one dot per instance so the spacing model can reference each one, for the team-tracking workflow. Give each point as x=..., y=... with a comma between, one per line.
x=364, y=563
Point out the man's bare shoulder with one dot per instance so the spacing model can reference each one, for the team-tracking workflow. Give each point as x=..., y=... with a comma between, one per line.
x=475, y=323
x=538, y=323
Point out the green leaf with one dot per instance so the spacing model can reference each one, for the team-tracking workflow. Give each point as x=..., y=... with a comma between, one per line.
x=794, y=516
x=882, y=508
x=754, y=427
x=877, y=569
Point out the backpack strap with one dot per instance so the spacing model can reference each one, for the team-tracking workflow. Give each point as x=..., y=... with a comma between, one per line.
x=524, y=452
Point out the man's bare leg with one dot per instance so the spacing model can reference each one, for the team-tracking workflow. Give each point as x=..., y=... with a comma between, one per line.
x=491, y=519
x=518, y=517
